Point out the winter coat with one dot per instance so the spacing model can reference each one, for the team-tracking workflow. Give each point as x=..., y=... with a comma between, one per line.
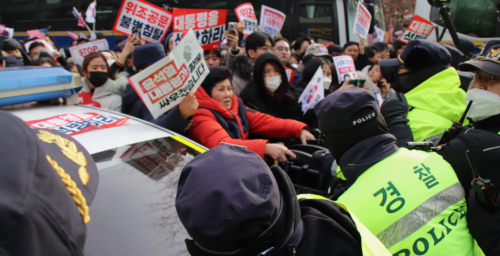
x=134, y=106
x=256, y=96
x=213, y=124
x=241, y=66
x=371, y=86
x=108, y=95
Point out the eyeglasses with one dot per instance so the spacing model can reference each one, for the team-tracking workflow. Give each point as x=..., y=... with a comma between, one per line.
x=281, y=48
x=266, y=48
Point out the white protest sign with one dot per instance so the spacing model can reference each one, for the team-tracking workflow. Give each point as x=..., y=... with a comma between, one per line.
x=345, y=67
x=166, y=83
x=271, y=20
x=246, y=13
x=80, y=51
x=419, y=28
x=153, y=20
x=314, y=92
x=362, y=21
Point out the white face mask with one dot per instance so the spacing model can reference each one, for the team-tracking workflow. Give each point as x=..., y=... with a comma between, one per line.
x=110, y=62
x=485, y=104
x=295, y=66
x=272, y=83
x=327, y=82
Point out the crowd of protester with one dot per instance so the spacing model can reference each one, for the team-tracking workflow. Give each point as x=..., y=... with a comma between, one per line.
x=248, y=99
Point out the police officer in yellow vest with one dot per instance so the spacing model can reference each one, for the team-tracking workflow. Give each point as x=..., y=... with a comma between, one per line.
x=411, y=200
x=231, y=203
x=428, y=97
x=483, y=142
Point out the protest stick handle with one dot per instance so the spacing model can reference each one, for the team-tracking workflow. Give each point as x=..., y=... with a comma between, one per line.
x=95, y=20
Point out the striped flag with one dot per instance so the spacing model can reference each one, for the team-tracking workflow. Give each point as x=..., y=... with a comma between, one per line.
x=78, y=16
x=72, y=35
x=35, y=33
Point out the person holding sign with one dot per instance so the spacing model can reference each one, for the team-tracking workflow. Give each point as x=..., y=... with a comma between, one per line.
x=176, y=119
x=222, y=117
x=257, y=43
x=270, y=92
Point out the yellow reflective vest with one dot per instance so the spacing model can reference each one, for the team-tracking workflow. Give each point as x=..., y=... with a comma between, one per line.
x=370, y=245
x=413, y=202
x=436, y=104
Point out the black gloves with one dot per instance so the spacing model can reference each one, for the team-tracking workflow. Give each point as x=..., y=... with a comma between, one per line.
x=484, y=227
x=395, y=109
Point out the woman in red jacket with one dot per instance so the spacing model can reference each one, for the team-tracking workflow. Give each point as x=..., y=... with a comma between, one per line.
x=222, y=117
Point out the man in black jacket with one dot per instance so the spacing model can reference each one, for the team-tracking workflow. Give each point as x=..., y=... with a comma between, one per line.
x=256, y=211
x=483, y=142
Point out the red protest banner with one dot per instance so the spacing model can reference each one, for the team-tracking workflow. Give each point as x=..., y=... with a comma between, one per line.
x=155, y=21
x=246, y=13
x=207, y=24
x=419, y=28
x=72, y=124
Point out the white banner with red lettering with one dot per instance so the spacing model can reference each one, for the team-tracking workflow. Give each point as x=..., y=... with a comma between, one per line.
x=419, y=28
x=72, y=124
x=362, y=21
x=246, y=13
x=207, y=24
x=154, y=21
x=271, y=20
x=80, y=51
x=345, y=67
x=166, y=83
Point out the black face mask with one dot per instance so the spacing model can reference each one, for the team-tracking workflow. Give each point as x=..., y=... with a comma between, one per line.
x=98, y=78
x=407, y=81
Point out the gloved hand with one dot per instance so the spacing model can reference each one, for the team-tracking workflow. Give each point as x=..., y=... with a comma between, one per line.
x=484, y=227
x=395, y=109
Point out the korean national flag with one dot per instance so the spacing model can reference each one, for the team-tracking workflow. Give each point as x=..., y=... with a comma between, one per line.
x=90, y=13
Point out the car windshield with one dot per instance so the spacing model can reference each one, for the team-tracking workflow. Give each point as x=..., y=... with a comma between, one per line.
x=133, y=211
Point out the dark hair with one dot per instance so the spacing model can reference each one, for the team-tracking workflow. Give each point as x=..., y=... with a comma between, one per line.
x=277, y=39
x=217, y=52
x=256, y=40
x=349, y=44
x=70, y=66
x=398, y=44
x=387, y=72
x=92, y=56
x=47, y=60
x=370, y=51
x=216, y=75
x=381, y=46
x=119, y=39
x=300, y=41
x=99, y=35
x=35, y=44
x=296, y=56
x=282, y=91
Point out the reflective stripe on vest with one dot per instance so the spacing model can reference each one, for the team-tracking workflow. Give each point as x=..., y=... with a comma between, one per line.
x=413, y=202
x=369, y=243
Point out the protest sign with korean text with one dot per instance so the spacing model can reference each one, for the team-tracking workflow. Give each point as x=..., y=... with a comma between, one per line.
x=314, y=92
x=419, y=28
x=207, y=24
x=72, y=124
x=345, y=67
x=271, y=20
x=166, y=83
x=80, y=51
x=362, y=21
x=153, y=20
x=246, y=13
